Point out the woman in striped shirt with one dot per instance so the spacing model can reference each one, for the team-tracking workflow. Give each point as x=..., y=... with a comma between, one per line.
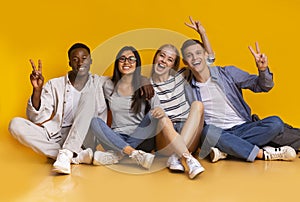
x=171, y=86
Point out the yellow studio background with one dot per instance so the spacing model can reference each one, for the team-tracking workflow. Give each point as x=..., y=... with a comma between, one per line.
x=46, y=29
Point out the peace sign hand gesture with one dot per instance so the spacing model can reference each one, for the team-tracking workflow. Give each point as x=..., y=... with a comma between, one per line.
x=36, y=77
x=196, y=25
x=261, y=59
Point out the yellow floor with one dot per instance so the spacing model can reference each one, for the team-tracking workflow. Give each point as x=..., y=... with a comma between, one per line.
x=26, y=176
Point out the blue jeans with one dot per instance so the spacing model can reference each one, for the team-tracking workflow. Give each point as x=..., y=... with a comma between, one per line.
x=178, y=126
x=111, y=140
x=242, y=141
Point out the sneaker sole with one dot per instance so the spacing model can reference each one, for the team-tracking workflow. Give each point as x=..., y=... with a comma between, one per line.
x=196, y=173
x=213, y=156
x=61, y=170
x=103, y=163
x=176, y=169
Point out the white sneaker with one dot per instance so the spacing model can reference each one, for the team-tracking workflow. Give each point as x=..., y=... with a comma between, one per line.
x=142, y=158
x=285, y=153
x=195, y=168
x=105, y=158
x=85, y=156
x=216, y=154
x=174, y=163
x=63, y=162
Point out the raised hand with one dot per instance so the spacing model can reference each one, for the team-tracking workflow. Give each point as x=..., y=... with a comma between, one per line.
x=261, y=59
x=196, y=25
x=36, y=77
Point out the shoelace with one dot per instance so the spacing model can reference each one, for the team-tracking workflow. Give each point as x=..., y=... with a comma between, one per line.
x=108, y=159
x=115, y=156
x=174, y=160
x=62, y=156
x=137, y=157
x=192, y=163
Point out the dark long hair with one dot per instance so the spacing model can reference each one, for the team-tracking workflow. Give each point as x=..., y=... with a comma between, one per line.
x=136, y=80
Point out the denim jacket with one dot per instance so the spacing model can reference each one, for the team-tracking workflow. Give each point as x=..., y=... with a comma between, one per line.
x=232, y=80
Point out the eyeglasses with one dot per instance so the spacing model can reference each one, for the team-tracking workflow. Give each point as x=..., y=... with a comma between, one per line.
x=130, y=59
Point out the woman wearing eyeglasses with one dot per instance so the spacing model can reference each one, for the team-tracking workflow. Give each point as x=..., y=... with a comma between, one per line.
x=134, y=119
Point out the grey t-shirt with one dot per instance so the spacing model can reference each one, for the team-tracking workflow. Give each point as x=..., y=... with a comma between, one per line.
x=124, y=121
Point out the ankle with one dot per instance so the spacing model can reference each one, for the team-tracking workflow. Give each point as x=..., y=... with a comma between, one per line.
x=260, y=154
x=187, y=155
x=128, y=150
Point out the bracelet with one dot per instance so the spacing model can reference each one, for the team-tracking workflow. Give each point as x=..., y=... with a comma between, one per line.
x=211, y=59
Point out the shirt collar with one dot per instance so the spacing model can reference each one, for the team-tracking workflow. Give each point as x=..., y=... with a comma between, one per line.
x=213, y=75
x=67, y=80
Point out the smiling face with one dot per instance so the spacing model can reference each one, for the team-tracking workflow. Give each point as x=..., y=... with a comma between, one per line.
x=164, y=61
x=127, y=62
x=194, y=57
x=80, y=61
